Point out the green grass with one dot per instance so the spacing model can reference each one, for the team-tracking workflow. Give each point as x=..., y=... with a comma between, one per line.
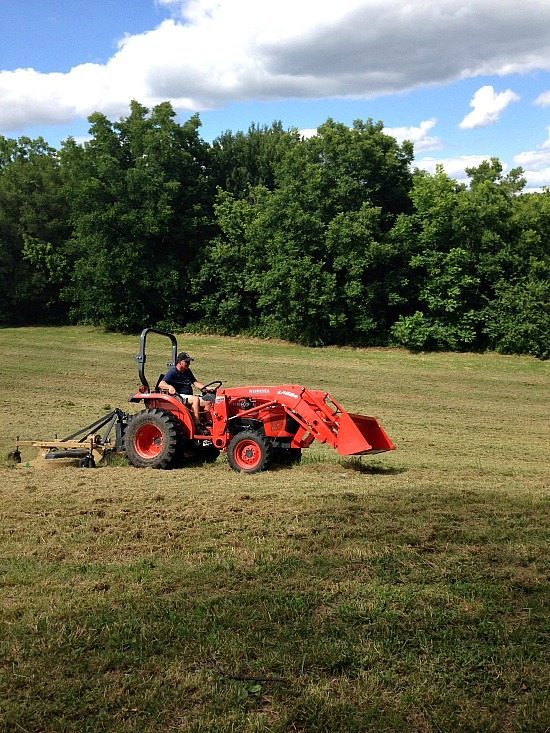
x=407, y=592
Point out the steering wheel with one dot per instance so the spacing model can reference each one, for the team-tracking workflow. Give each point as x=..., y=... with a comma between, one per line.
x=214, y=389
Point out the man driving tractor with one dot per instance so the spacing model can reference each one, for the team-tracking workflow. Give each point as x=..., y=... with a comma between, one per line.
x=180, y=380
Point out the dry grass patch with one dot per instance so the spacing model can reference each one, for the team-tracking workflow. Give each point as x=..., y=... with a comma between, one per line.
x=403, y=593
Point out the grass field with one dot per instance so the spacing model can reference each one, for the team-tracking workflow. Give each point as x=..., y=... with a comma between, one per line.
x=406, y=592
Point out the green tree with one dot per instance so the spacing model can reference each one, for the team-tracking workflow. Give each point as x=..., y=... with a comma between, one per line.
x=312, y=254
x=241, y=161
x=518, y=316
x=141, y=202
x=371, y=274
x=469, y=241
x=360, y=165
x=258, y=277
x=225, y=288
x=34, y=228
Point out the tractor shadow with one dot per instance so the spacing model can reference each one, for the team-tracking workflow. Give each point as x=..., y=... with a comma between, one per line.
x=372, y=470
x=348, y=464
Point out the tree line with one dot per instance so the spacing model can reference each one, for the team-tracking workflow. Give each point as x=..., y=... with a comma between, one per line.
x=335, y=239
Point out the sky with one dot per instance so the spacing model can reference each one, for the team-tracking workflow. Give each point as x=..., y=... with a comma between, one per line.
x=465, y=80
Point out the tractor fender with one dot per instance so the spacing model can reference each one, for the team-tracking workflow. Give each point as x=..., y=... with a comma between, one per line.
x=171, y=404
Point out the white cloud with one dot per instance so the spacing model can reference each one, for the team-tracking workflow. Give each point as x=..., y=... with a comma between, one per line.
x=536, y=165
x=533, y=159
x=212, y=52
x=488, y=107
x=417, y=135
x=453, y=167
x=29, y=96
x=543, y=100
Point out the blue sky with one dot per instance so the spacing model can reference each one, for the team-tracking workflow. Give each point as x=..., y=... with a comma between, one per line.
x=463, y=79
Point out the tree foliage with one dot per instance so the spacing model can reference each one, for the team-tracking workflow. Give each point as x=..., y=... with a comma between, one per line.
x=141, y=212
x=316, y=265
x=330, y=239
x=33, y=228
x=475, y=245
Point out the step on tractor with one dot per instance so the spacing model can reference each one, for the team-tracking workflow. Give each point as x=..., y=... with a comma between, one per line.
x=256, y=426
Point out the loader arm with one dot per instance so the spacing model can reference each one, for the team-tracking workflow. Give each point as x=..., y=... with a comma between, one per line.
x=324, y=419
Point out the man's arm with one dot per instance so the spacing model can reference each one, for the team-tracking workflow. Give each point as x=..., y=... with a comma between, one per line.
x=168, y=387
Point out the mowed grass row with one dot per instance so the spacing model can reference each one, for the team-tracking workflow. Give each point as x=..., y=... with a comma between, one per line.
x=406, y=592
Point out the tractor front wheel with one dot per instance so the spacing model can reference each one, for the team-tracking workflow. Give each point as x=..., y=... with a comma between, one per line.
x=248, y=452
x=152, y=439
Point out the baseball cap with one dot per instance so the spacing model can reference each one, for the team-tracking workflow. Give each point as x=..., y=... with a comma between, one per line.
x=184, y=356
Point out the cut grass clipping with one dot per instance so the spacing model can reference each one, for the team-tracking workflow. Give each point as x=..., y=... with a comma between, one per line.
x=407, y=592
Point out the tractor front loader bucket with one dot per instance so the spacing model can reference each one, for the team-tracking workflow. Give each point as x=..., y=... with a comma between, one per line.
x=322, y=418
x=360, y=434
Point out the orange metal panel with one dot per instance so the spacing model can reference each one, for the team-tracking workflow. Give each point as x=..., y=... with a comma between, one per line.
x=360, y=434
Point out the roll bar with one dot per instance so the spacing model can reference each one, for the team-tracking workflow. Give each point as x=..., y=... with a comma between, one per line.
x=141, y=358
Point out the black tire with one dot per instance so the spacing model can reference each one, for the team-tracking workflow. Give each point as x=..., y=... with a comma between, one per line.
x=87, y=462
x=153, y=439
x=287, y=456
x=208, y=453
x=249, y=452
x=194, y=454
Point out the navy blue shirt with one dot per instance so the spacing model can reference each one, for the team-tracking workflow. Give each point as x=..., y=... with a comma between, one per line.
x=181, y=381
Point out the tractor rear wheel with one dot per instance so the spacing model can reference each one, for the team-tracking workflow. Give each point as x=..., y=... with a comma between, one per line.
x=153, y=439
x=248, y=452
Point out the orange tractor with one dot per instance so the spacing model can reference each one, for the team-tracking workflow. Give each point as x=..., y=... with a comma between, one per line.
x=255, y=425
